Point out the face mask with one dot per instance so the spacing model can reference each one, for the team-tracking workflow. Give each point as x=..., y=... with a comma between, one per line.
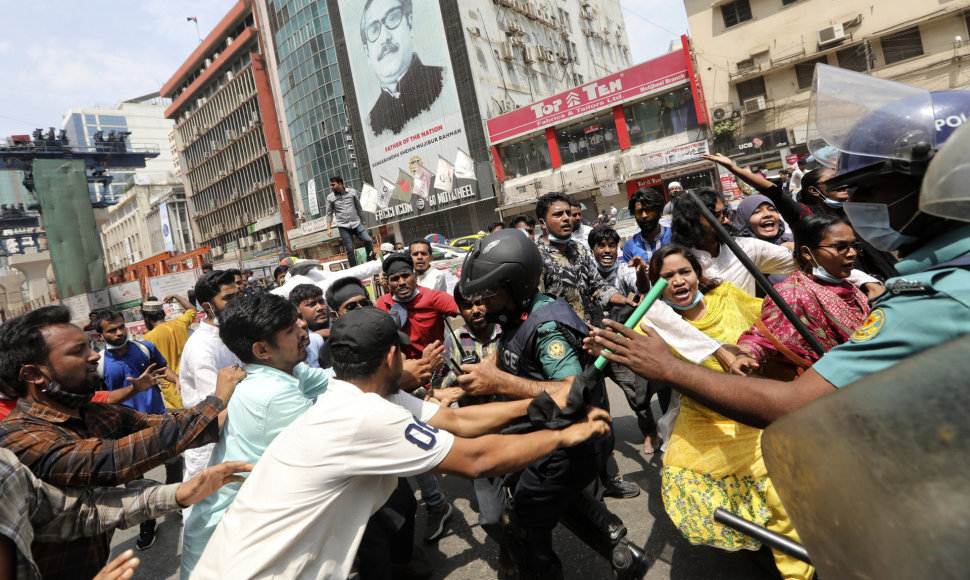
x=871, y=221
x=558, y=240
x=610, y=269
x=67, y=398
x=823, y=274
x=408, y=299
x=211, y=314
x=697, y=299
x=832, y=203
x=116, y=347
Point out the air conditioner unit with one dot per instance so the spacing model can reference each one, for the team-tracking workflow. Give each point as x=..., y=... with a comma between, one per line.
x=506, y=51
x=755, y=104
x=530, y=55
x=230, y=134
x=260, y=246
x=271, y=235
x=723, y=112
x=217, y=250
x=475, y=32
x=352, y=156
x=831, y=34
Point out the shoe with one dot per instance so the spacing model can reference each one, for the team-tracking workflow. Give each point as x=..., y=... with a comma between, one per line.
x=437, y=516
x=618, y=488
x=147, y=536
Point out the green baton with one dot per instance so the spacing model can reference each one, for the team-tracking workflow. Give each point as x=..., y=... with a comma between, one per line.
x=641, y=309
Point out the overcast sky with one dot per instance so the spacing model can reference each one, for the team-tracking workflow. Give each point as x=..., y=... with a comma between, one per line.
x=59, y=54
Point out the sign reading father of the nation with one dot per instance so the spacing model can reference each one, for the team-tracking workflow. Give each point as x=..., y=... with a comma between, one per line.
x=405, y=88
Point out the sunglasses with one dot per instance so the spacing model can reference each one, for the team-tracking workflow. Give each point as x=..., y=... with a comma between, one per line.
x=358, y=304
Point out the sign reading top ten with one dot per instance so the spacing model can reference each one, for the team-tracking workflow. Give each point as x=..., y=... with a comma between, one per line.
x=653, y=75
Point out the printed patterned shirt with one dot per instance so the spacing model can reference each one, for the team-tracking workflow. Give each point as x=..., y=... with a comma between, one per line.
x=570, y=274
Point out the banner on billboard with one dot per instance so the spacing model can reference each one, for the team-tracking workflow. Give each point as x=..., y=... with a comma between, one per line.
x=311, y=196
x=99, y=299
x=79, y=307
x=405, y=90
x=166, y=227
x=632, y=83
x=678, y=154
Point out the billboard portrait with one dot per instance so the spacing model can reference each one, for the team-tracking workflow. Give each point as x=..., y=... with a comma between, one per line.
x=405, y=88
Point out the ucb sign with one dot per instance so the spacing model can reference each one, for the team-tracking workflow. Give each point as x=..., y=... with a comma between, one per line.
x=752, y=143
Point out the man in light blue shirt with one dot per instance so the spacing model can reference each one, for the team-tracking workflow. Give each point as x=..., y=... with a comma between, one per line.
x=266, y=333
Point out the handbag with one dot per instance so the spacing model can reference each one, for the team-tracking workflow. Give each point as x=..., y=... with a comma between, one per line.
x=777, y=369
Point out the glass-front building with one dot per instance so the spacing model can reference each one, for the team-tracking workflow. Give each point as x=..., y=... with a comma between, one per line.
x=312, y=96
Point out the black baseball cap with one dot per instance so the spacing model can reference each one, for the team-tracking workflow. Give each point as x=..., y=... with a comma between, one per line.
x=364, y=333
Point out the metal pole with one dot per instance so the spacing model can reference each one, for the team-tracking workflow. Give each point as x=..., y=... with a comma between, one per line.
x=760, y=278
x=769, y=538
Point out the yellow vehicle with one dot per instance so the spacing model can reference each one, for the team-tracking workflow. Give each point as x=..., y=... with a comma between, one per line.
x=466, y=242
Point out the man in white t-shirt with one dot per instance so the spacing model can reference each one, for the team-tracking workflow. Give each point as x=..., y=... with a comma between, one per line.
x=303, y=510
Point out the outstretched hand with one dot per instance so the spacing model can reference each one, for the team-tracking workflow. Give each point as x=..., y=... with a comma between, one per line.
x=120, y=568
x=597, y=423
x=144, y=380
x=209, y=481
x=646, y=356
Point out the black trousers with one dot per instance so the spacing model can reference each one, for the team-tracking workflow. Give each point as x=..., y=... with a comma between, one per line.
x=389, y=535
x=638, y=392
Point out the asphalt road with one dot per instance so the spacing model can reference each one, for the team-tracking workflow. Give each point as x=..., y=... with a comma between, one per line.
x=465, y=552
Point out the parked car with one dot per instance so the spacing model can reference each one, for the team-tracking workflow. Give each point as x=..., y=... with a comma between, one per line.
x=467, y=242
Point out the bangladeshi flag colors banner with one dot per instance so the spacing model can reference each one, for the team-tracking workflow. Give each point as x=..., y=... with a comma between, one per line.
x=422, y=181
x=404, y=186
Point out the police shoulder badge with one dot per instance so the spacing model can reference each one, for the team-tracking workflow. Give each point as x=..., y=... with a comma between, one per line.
x=556, y=349
x=870, y=327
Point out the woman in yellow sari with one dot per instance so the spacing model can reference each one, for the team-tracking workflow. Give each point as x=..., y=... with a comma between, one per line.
x=712, y=461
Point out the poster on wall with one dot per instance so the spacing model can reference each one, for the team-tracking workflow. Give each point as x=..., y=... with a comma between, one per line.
x=125, y=295
x=79, y=307
x=178, y=283
x=99, y=299
x=406, y=95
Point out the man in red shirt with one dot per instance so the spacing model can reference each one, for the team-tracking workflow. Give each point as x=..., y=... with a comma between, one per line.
x=421, y=311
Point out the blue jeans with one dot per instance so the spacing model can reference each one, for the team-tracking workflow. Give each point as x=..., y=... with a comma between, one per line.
x=347, y=237
x=430, y=490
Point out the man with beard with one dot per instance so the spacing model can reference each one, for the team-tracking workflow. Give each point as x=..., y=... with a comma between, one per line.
x=317, y=484
x=580, y=230
x=266, y=333
x=66, y=440
x=312, y=308
x=122, y=360
x=646, y=205
x=567, y=268
x=479, y=337
x=427, y=276
x=408, y=87
x=205, y=354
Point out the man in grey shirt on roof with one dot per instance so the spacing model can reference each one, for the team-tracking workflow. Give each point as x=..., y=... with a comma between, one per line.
x=343, y=205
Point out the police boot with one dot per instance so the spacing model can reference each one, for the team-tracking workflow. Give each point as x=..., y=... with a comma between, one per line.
x=602, y=530
x=539, y=561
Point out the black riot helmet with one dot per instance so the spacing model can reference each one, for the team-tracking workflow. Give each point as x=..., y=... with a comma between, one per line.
x=506, y=259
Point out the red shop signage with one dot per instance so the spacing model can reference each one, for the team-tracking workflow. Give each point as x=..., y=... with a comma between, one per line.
x=642, y=79
x=649, y=181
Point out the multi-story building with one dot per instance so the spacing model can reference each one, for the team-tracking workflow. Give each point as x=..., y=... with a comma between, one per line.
x=144, y=118
x=168, y=223
x=644, y=126
x=466, y=63
x=757, y=60
x=130, y=233
x=230, y=149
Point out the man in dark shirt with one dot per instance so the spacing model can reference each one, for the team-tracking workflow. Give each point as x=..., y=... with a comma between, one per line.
x=66, y=440
x=408, y=87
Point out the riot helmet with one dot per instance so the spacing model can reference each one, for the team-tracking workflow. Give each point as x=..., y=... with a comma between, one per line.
x=505, y=259
x=945, y=192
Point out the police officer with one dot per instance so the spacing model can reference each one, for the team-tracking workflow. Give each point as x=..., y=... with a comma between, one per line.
x=884, y=159
x=540, y=350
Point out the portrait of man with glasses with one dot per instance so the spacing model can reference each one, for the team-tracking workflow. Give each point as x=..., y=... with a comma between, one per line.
x=408, y=87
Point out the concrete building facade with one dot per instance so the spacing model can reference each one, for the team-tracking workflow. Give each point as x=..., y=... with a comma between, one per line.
x=757, y=59
x=230, y=148
x=168, y=223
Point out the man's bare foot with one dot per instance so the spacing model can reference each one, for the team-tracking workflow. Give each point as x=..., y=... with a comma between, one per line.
x=651, y=444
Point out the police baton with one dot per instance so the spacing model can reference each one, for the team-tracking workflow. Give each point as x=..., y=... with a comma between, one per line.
x=638, y=313
x=767, y=537
x=760, y=278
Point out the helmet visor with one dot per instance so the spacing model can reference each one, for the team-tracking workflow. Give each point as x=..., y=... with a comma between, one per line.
x=945, y=192
x=851, y=113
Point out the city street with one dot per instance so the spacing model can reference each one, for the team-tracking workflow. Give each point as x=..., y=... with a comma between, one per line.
x=465, y=552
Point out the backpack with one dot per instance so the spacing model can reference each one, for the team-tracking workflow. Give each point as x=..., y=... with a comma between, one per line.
x=141, y=346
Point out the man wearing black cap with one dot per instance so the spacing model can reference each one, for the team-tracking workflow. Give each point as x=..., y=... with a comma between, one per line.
x=316, y=485
x=421, y=312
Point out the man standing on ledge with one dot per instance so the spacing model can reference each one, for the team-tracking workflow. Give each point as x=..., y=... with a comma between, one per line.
x=408, y=87
x=344, y=205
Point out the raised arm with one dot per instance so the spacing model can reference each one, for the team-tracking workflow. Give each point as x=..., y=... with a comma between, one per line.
x=476, y=420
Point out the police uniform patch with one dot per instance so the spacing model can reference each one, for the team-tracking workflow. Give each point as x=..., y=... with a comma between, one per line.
x=556, y=349
x=870, y=327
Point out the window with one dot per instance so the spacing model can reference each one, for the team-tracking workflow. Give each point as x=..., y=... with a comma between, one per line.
x=736, y=12
x=750, y=88
x=588, y=139
x=853, y=58
x=745, y=65
x=902, y=45
x=661, y=116
x=525, y=157
x=805, y=72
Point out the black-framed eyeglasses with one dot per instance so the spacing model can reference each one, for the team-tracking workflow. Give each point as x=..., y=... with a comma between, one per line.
x=358, y=304
x=842, y=248
x=391, y=20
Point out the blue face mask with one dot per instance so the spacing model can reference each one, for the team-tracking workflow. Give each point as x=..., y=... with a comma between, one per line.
x=822, y=274
x=679, y=308
x=603, y=268
x=831, y=202
x=558, y=240
x=116, y=347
